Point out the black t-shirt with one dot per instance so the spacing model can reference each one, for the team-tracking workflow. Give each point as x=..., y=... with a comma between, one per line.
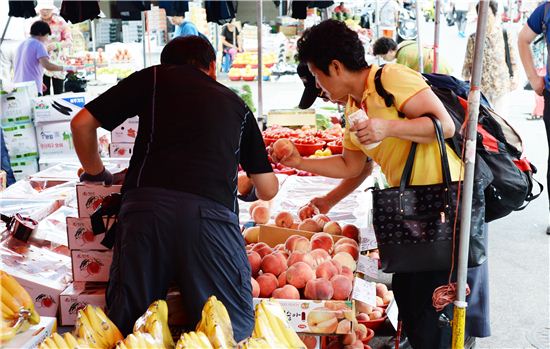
x=228, y=35
x=193, y=142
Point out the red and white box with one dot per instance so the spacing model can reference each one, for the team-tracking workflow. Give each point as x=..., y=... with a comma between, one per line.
x=91, y=265
x=90, y=196
x=80, y=235
x=76, y=296
x=126, y=132
x=121, y=150
x=34, y=335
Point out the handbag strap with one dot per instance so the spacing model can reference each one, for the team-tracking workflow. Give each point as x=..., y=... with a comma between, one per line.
x=445, y=171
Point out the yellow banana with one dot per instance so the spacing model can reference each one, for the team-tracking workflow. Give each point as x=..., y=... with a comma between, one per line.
x=59, y=341
x=20, y=294
x=277, y=319
x=7, y=332
x=155, y=322
x=10, y=301
x=87, y=332
x=50, y=342
x=121, y=345
x=100, y=327
x=7, y=312
x=70, y=340
x=115, y=332
x=263, y=329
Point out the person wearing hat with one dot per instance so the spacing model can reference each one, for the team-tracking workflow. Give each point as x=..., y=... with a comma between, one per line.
x=58, y=43
x=324, y=203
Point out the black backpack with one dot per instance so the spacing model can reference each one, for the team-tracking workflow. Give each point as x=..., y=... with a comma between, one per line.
x=507, y=174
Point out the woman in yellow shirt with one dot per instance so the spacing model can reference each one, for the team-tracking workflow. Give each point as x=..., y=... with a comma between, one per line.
x=335, y=56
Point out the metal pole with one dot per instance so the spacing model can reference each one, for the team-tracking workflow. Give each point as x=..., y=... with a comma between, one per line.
x=259, y=15
x=418, y=40
x=377, y=20
x=460, y=304
x=5, y=30
x=94, y=38
x=435, y=67
x=145, y=33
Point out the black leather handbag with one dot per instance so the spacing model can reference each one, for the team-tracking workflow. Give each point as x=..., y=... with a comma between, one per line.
x=414, y=224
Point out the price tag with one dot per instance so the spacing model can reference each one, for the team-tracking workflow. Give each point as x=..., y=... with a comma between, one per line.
x=368, y=266
x=364, y=291
x=392, y=311
x=368, y=239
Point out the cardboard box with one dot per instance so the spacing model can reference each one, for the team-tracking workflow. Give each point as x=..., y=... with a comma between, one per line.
x=24, y=167
x=80, y=235
x=288, y=30
x=90, y=196
x=31, y=338
x=76, y=296
x=305, y=315
x=121, y=150
x=21, y=140
x=15, y=106
x=126, y=132
x=58, y=107
x=91, y=265
x=273, y=235
x=55, y=139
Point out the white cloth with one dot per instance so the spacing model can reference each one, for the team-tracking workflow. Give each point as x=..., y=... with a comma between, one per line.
x=388, y=13
x=7, y=59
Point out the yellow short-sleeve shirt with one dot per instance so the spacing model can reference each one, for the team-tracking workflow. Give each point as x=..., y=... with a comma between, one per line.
x=391, y=154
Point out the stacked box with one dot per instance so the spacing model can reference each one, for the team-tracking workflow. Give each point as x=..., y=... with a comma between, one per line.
x=76, y=296
x=132, y=31
x=123, y=138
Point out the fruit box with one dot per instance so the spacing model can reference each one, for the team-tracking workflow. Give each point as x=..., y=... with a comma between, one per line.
x=90, y=196
x=35, y=335
x=273, y=235
x=318, y=317
x=80, y=235
x=126, y=132
x=43, y=273
x=76, y=296
x=59, y=107
x=91, y=265
x=121, y=150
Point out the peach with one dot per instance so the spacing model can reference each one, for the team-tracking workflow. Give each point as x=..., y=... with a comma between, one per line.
x=345, y=259
x=279, y=247
x=251, y=234
x=255, y=288
x=309, y=224
x=282, y=148
x=348, y=339
x=344, y=326
x=362, y=317
x=299, y=256
x=381, y=289
x=347, y=273
x=388, y=297
x=379, y=301
x=355, y=345
x=337, y=306
x=318, y=289
x=309, y=341
x=351, y=231
x=286, y=292
x=307, y=211
x=320, y=320
x=375, y=315
x=337, y=265
x=326, y=270
x=363, y=307
x=284, y=219
x=323, y=241
x=319, y=256
x=342, y=287
x=335, y=344
x=345, y=240
x=255, y=261
x=274, y=263
x=256, y=204
x=297, y=243
x=299, y=274
x=349, y=248
x=244, y=184
x=332, y=228
x=321, y=219
x=268, y=283
x=361, y=331
x=262, y=248
x=260, y=215
x=282, y=279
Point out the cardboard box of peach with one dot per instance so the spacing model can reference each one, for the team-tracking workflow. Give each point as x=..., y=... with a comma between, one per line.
x=308, y=265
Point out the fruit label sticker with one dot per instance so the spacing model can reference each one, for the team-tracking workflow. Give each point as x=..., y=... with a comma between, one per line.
x=364, y=291
x=368, y=239
x=392, y=311
x=367, y=266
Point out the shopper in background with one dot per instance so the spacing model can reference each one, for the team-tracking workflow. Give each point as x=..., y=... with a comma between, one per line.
x=335, y=57
x=496, y=81
x=406, y=53
x=179, y=216
x=341, y=9
x=183, y=27
x=5, y=157
x=58, y=44
x=461, y=13
x=32, y=58
x=231, y=44
x=535, y=25
x=389, y=17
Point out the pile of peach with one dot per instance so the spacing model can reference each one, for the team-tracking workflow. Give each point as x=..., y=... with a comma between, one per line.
x=318, y=269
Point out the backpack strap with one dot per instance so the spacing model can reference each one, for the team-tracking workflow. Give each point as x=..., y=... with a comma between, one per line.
x=389, y=100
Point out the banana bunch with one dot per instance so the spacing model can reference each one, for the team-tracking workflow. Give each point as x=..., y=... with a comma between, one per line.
x=271, y=324
x=254, y=343
x=16, y=301
x=193, y=340
x=67, y=341
x=216, y=324
x=139, y=340
x=95, y=329
x=155, y=323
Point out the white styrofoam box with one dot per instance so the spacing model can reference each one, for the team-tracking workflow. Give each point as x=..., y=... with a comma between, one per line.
x=90, y=196
x=24, y=167
x=121, y=150
x=20, y=140
x=55, y=138
x=126, y=132
x=34, y=335
x=15, y=105
x=58, y=107
x=76, y=296
x=80, y=235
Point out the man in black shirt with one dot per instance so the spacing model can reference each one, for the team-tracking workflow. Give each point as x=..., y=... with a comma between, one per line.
x=179, y=216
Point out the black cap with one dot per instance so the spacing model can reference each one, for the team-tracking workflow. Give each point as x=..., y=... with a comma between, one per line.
x=311, y=92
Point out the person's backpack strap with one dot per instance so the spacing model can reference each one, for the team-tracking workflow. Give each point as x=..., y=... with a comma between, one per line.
x=389, y=100
x=507, y=57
